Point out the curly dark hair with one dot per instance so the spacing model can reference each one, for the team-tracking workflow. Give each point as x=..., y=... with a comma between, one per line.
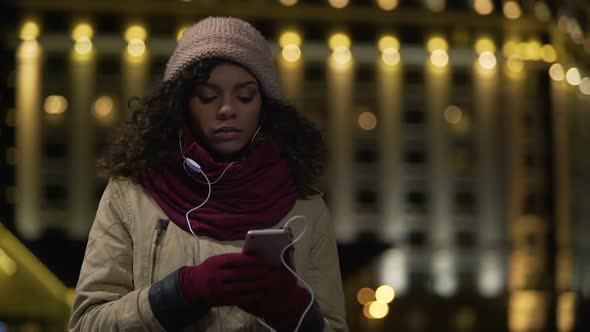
x=150, y=139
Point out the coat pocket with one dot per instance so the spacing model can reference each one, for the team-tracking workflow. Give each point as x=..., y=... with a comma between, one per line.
x=158, y=237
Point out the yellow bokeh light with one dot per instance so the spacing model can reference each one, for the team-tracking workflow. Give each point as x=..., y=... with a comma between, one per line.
x=483, y=7
x=437, y=43
x=387, y=4
x=573, y=76
x=515, y=64
x=435, y=5
x=83, y=45
x=342, y=55
x=385, y=294
x=575, y=31
x=291, y=53
x=288, y=2
x=484, y=44
x=534, y=50
x=487, y=60
x=55, y=104
x=556, y=72
x=339, y=40
x=367, y=121
x=365, y=295
x=512, y=9
x=30, y=30
x=366, y=310
x=103, y=106
x=134, y=32
x=585, y=86
x=386, y=42
x=136, y=47
x=378, y=309
x=453, y=114
x=391, y=56
x=439, y=58
x=82, y=30
x=338, y=3
x=29, y=49
x=180, y=32
x=542, y=11
x=510, y=48
x=562, y=23
x=524, y=51
x=290, y=38
x=549, y=54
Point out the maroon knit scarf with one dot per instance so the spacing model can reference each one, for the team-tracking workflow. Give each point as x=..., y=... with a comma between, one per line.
x=254, y=193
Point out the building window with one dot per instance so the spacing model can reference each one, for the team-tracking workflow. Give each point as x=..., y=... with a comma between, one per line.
x=417, y=239
x=365, y=73
x=414, y=117
x=55, y=195
x=55, y=150
x=463, y=158
x=465, y=203
x=415, y=157
x=462, y=78
x=367, y=199
x=528, y=120
x=56, y=63
x=315, y=72
x=413, y=77
x=109, y=66
x=531, y=161
x=365, y=155
x=416, y=202
x=534, y=203
x=466, y=239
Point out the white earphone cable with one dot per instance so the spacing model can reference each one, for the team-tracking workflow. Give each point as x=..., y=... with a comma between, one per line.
x=308, y=288
x=209, y=183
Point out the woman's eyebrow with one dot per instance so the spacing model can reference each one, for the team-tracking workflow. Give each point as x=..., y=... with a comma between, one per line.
x=236, y=86
x=244, y=84
x=210, y=86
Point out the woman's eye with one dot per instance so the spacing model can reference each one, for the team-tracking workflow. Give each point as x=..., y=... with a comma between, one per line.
x=206, y=99
x=245, y=100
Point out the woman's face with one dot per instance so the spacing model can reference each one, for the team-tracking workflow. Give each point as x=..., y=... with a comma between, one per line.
x=226, y=110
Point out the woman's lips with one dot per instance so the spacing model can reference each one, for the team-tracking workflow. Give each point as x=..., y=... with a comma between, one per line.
x=226, y=133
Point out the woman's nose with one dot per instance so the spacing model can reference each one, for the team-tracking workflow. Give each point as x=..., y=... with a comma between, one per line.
x=227, y=111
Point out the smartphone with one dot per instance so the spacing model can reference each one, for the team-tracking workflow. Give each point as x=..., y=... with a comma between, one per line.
x=268, y=244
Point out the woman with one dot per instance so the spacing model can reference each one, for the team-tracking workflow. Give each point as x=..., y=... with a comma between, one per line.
x=212, y=154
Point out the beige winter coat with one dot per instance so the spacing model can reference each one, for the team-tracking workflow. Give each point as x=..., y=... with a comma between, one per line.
x=126, y=254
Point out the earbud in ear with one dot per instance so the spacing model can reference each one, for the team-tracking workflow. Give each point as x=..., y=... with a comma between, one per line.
x=193, y=165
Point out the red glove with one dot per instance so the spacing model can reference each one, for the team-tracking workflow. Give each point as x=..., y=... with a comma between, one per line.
x=224, y=280
x=282, y=302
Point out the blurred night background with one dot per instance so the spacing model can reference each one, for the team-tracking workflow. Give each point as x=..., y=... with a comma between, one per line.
x=458, y=168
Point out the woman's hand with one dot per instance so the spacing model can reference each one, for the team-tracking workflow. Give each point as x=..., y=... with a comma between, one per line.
x=283, y=301
x=225, y=280
x=263, y=290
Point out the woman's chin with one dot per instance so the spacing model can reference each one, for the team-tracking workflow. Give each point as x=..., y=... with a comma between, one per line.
x=227, y=151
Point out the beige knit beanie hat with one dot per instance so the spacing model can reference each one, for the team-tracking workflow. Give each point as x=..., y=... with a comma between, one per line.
x=231, y=39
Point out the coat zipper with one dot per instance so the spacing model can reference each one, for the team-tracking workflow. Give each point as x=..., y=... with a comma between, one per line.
x=161, y=227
